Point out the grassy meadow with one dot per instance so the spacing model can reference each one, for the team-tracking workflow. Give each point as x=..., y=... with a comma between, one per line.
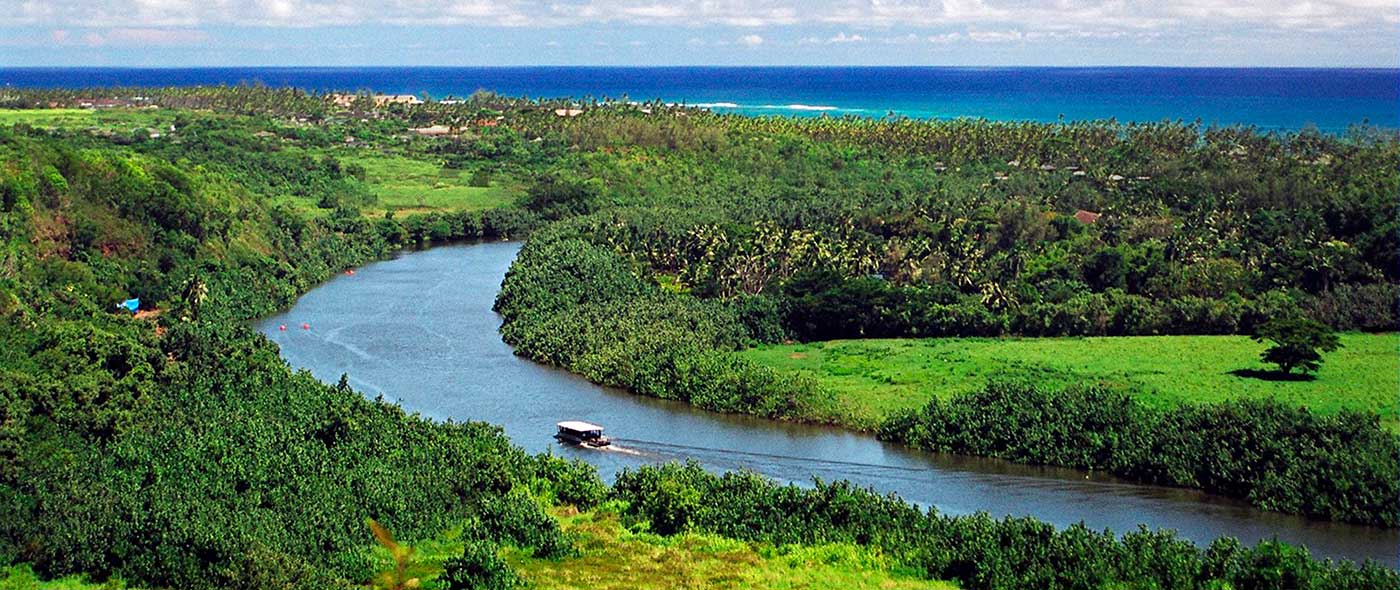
x=401, y=184
x=408, y=185
x=873, y=378
x=612, y=556
x=47, y=117
x=22, y=577
x=113, y=120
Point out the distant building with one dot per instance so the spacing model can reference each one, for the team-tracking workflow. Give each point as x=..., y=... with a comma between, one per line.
x=568, y=112
x=432, y=130
x=383, y=99
x=1087, y=217
x=342, y=100
x=99, y=103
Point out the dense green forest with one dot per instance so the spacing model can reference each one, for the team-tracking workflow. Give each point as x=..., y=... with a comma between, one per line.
x=176, y=449
x=764, y=230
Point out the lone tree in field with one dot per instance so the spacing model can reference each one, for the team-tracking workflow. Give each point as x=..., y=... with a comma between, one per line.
x=1297, y=342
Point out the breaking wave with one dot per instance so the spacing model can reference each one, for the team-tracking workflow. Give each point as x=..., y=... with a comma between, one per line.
x=802, y=107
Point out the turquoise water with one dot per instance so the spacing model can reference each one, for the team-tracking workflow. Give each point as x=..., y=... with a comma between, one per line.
x=1267, y=98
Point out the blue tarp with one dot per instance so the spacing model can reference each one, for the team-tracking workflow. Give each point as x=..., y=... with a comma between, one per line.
x=132, y=304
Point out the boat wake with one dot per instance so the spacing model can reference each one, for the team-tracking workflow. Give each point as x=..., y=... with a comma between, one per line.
x=614, y=448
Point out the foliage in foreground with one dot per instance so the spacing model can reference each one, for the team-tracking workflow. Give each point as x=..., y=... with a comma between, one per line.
x=181, y=451
x=977, y=551
x=616, y=557
x=23, y=577
x=479, y=568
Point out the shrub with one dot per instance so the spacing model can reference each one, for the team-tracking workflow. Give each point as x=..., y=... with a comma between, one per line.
x=571, y=482
x=1342, y=467
x=977, y=551
x=518, y=519
x=479, y=568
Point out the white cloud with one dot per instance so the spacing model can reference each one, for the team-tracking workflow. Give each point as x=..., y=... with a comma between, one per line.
x=146, y=37
x=129, y=37
x=1008, y=14
x=840, y=37
x=751, y=40
x=901, y=40
x=995, y=36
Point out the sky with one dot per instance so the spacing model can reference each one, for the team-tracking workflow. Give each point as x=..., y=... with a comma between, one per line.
x=1309, y=33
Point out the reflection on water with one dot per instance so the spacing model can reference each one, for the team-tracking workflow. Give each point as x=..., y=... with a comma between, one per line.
x=419, y=330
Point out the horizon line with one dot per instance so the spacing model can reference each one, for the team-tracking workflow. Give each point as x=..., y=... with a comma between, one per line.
x=709, y=66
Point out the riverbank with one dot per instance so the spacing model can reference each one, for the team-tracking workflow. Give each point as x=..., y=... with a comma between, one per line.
x=584, y=307
x=441, y=356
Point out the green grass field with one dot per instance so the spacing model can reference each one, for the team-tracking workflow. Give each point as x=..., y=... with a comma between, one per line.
x=116, y=120
x=47, y=117
x=400, y=184
x=872, y=378
x=22, y=577
x=612, y=557
x=408, y=185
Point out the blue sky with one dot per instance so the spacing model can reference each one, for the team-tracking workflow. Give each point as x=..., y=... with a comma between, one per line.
x=708, y=32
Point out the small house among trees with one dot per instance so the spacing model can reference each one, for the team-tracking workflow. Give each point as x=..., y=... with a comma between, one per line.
x=1087, y=217
x=383, y=99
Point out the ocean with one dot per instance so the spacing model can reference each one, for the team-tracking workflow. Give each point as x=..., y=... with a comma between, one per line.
x=1330, y=100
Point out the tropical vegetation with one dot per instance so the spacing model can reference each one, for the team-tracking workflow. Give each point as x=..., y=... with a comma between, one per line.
x=174, y=448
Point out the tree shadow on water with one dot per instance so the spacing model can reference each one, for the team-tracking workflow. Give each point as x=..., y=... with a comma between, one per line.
x=1274, y=375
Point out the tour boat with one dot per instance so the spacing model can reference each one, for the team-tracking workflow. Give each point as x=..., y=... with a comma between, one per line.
x=582, y=433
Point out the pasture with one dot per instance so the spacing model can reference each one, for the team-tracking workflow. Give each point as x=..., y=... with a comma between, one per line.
x=873, y=378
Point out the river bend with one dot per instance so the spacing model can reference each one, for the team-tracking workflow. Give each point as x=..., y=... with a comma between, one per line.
x=419, y=329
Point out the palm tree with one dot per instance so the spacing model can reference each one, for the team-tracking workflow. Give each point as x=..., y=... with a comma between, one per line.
x=192, y=297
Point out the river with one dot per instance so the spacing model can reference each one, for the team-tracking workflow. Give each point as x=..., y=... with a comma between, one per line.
x=419, y=330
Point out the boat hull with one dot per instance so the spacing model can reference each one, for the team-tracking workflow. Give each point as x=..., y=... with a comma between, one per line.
x=584, y=442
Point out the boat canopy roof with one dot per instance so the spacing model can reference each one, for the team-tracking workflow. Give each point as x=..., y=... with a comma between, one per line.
x=577, y=426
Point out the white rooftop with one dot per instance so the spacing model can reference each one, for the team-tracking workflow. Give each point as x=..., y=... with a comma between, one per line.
x=577, y=426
